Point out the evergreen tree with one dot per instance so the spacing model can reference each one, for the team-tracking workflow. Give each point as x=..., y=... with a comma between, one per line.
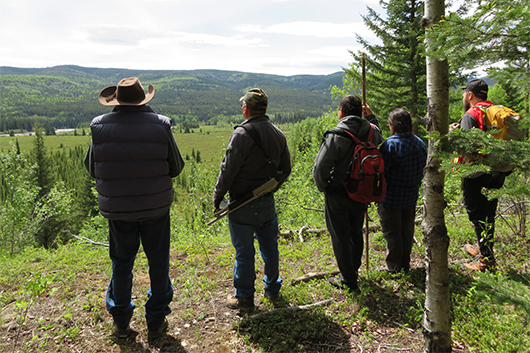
x=395, y=69
x=50, y=229
x=515, y=96
x=488, y=33
x=86, y=203
x=43, y=164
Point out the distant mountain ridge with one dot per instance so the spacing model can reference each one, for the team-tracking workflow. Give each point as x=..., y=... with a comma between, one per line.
x=68, y=94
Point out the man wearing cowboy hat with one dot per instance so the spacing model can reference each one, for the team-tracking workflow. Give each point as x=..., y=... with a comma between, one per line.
x=133, y=156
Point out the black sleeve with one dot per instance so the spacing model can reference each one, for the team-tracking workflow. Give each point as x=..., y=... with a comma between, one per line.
x=468, y=122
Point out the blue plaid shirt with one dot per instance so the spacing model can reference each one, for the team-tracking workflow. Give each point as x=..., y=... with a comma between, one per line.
x=405, y=156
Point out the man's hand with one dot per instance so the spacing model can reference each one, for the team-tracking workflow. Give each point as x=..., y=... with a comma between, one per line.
x=366, y=110
x=453, y=127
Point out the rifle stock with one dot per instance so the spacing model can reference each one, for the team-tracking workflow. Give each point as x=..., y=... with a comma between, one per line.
x=265, y=188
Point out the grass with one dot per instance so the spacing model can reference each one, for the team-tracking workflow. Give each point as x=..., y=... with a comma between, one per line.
x=207, y=140
x=54, y=301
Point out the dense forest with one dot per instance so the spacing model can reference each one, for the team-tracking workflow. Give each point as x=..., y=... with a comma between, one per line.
x=66, y=96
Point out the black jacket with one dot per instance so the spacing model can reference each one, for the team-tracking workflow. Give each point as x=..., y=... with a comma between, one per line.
x=133, y=157
x=336, y=151
x=244, y=167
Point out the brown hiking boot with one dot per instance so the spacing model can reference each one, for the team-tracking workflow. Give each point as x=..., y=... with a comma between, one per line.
x=243, y=304
x=272, y=299
x=482, y=264
x=472, y=249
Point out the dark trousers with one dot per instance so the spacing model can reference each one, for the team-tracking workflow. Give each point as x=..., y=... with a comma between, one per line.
x=344, y=220
x=398, y=231
x=124, y=242
x=480, y=210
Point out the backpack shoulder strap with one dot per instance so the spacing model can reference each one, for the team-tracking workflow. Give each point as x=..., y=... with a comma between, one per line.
x=255, y=136
x=273, y=166
x=344, y=133
x=252, y=132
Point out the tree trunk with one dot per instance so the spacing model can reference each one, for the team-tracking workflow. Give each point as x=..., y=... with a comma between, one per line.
x=437, y=314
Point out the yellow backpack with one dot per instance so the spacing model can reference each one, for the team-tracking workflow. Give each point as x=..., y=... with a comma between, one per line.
x=503, y=123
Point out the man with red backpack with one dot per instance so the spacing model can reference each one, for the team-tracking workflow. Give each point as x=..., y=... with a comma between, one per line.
x=345, y=216
x=480, y=210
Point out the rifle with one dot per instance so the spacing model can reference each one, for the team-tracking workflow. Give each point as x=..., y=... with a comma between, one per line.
x=265, y=188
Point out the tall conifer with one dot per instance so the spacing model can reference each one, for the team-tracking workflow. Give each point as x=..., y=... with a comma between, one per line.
x=395, y=69
x=43, y=172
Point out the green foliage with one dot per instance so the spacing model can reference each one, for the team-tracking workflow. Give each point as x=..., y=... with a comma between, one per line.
x=395, y=69
x=28, y=216
x=488, y=33
x=497, y=314
x=16, y=230
x=42, y=162
x=499, y=154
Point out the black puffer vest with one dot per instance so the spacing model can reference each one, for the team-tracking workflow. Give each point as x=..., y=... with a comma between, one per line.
x=130, y=147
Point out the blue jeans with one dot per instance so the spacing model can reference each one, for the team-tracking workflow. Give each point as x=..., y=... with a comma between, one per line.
x=124, y=242
x=344, y=220
x=257, y=217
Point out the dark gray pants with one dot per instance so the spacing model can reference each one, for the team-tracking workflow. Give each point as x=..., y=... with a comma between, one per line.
x=344, y=220
x=398, y=231
x=480, y=210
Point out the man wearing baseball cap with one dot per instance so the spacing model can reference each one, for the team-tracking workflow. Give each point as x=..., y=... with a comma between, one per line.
x=254, y=146
x=480, y=210
x=133, y=156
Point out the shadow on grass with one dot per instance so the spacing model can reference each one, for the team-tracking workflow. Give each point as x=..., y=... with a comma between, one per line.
x=513, y=289
x=395, y=300
x=165, y=344
x=294, y=331
x=386, y=306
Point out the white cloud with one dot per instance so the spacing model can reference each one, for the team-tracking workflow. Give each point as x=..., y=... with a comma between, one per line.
x=306, y=28
x=272, y=36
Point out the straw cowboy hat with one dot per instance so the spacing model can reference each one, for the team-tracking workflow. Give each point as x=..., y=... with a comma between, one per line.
x=128, y=92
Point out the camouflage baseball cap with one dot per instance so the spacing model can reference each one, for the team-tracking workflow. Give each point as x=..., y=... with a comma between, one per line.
x=256, y=98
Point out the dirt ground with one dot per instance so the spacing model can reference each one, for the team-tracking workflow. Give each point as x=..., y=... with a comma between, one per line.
x=78, y=322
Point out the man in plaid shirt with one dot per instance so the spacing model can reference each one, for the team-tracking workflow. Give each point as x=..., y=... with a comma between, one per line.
x=405, y=156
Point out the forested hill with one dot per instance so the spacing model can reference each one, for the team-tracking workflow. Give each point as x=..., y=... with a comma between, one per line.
x=67, y=95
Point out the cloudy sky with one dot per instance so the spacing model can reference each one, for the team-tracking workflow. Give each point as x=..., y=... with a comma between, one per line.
x=284, y=37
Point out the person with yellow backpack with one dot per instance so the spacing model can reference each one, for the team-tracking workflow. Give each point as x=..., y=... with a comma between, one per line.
x=503, y=124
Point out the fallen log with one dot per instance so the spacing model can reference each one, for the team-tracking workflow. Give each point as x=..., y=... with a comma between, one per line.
x=292, y=308
x=314, y=275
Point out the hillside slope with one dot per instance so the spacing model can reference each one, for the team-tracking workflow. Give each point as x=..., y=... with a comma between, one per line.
x=68, y=94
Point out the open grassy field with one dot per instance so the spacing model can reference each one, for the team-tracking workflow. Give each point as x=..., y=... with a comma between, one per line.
x=211, y=141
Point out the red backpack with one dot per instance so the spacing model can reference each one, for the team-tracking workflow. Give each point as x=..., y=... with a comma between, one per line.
x=366, y=180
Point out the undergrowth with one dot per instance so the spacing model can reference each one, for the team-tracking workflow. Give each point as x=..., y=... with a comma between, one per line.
x=54, y=300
